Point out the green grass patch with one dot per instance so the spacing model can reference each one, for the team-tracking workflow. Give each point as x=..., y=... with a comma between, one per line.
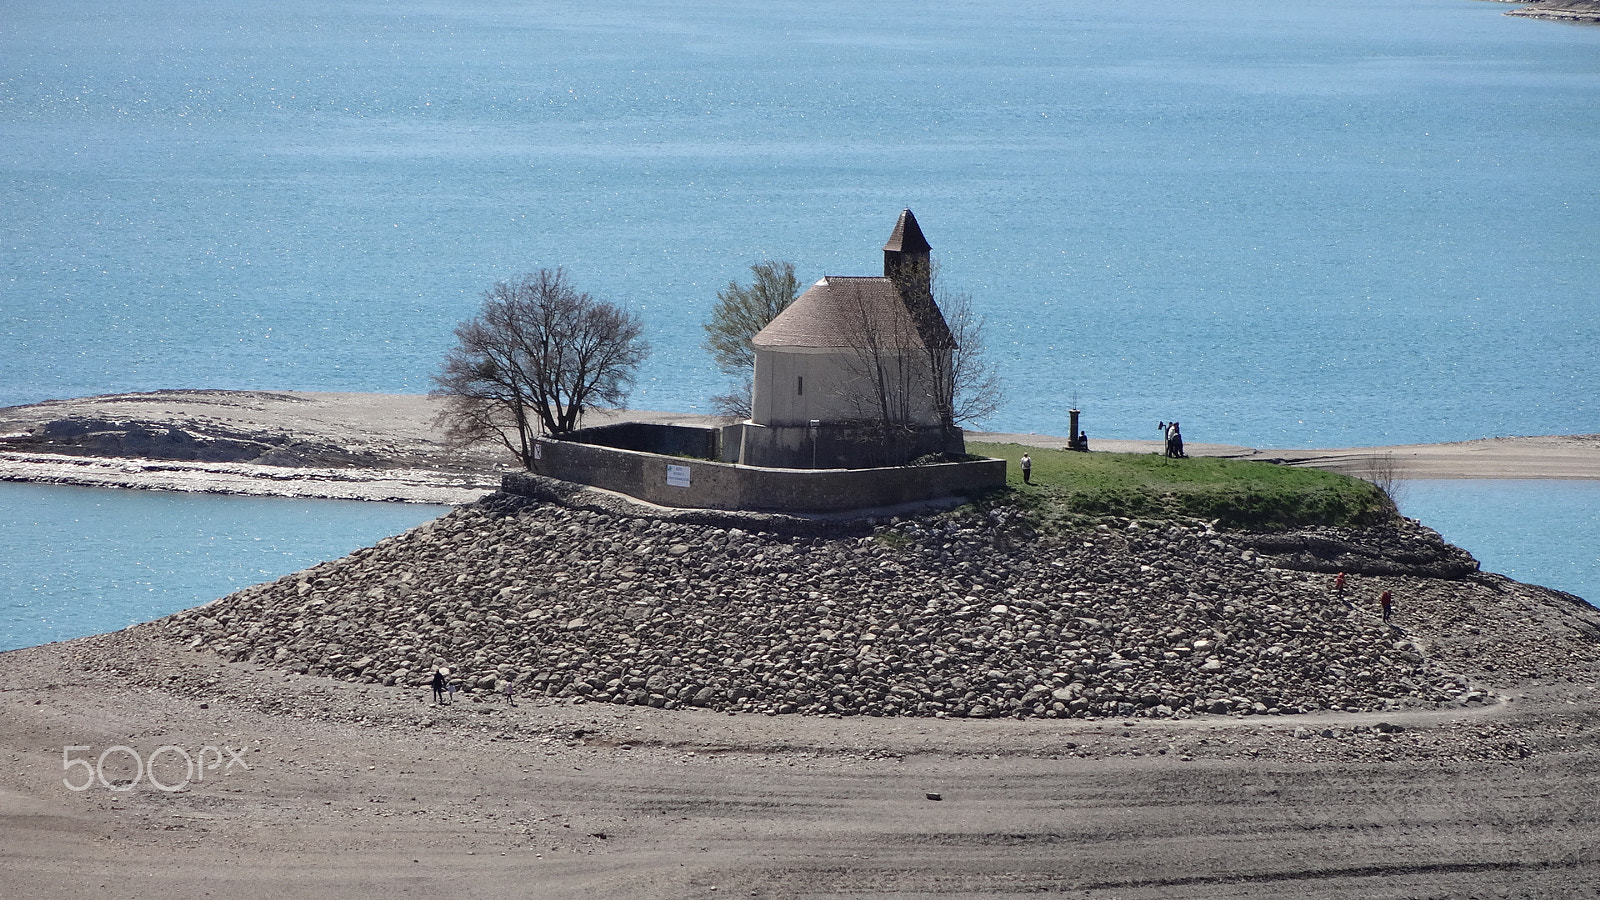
x=1237, y=493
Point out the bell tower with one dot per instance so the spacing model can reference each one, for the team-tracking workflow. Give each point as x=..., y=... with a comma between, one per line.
x=907, y=255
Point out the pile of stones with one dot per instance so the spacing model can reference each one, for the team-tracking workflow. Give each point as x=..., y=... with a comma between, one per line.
x=966, y=613
x=192, y=441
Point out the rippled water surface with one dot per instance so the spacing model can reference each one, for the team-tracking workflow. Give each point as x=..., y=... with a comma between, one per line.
x=1324, y=223
x=1544, y=532
x=80, y=561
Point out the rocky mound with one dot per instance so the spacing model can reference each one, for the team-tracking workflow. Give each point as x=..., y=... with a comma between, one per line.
x=967, y=614
x=1585, y=11
x=187, y=441
x=1397, y=549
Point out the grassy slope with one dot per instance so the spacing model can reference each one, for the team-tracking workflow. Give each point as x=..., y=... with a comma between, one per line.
x=1240, y=494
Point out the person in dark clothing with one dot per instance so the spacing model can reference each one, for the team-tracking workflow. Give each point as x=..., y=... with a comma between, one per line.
x=1386, y=600
x=438, y=686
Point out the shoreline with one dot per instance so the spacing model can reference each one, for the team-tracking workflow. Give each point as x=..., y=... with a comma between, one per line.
x=1573, y=12
x=1543, y=457
x=384, y=448
x=351, y=788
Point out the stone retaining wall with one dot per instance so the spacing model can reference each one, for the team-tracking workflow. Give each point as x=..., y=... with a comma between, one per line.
x=836, y=446
x=648, y=437
x=680, y=481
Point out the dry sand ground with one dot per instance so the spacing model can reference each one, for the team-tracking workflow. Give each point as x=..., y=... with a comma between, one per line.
x=364, y=791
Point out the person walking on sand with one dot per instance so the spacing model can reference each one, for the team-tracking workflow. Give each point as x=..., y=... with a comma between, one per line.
x=505, y=688
x=1027, y=469
x=1386, y=600
x=438, y=686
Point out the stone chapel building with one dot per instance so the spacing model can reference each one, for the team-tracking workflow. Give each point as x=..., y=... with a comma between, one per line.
x=857, y=371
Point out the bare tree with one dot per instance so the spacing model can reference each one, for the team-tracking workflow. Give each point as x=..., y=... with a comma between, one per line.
x=929, y=357
x=966, y=384
x=1387, y=475
x=887, y=381
x=737, y=402
x=739, y=314
x=538, y=355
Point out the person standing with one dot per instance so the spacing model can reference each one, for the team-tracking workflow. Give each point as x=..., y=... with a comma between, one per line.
x=1027, y=469
x=1386, y=600
x=1338, y=590
x=438, y=687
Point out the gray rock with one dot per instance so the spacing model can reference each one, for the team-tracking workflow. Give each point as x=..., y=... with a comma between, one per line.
x=942, y=615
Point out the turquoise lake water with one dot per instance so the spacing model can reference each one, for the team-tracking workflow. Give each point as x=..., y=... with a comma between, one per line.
x=1541, y=532
x=82, y=561
x=1337, y=223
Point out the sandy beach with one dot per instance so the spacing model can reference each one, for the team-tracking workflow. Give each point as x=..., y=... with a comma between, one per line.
x=275, y=784
x=1554, y=456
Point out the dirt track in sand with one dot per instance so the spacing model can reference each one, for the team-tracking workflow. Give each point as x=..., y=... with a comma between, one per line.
x=364, y=791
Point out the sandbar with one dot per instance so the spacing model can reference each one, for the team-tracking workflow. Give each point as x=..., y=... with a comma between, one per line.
x=411, y=463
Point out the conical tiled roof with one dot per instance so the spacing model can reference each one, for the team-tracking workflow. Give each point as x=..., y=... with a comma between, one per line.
x=835, y=312
x=907, y=236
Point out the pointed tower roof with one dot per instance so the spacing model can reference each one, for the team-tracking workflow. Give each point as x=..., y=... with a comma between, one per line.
x=907, y=236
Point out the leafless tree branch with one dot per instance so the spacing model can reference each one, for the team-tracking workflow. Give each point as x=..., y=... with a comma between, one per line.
x=538, y=355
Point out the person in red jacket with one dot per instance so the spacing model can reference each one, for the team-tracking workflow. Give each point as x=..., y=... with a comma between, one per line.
x=1386, y=600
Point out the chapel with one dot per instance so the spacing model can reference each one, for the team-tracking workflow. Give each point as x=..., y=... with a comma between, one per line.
x=857, y=371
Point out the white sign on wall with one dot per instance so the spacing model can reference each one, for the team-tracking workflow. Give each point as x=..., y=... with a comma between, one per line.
x=678, y=476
